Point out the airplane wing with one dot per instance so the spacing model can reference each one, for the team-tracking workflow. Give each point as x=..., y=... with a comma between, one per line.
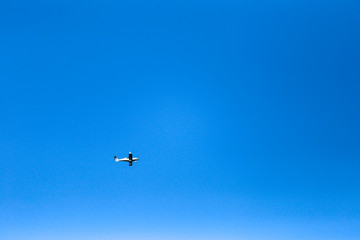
x=122, y=159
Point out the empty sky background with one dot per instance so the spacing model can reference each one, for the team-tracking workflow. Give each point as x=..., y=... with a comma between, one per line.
x=245, y=116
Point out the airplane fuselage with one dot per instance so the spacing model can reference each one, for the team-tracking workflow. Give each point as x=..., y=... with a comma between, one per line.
x=129, y=159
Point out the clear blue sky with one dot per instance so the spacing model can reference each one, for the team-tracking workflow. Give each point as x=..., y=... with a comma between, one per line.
x=245, y=116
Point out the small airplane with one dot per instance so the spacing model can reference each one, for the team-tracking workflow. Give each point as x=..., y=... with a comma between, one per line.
x=129, y=159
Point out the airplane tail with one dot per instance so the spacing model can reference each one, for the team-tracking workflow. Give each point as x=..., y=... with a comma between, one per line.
x=114, y=157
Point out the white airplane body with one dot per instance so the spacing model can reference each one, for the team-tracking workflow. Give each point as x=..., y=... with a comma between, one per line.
x=129, y=159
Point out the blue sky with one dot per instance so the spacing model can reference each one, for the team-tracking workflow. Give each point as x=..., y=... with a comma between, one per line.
x=245, y=116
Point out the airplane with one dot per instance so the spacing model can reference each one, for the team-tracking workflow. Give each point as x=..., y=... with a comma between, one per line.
x=129, y=159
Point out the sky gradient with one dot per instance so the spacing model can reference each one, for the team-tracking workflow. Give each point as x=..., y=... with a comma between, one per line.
x=245, y=116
